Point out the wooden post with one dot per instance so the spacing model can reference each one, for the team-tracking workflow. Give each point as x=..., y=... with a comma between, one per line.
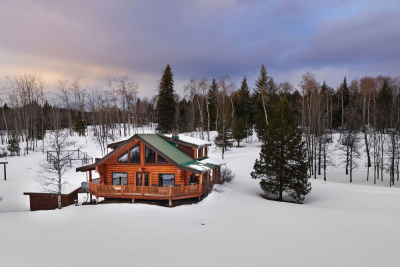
x=170, y=202
x=201, y=183
x=90, y=180
x=5, y=173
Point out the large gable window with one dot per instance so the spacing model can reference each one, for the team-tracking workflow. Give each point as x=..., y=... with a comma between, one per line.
x=166, y=180
x=150, y=155
x=123, y=158
x=119, y=178
x=135, y=153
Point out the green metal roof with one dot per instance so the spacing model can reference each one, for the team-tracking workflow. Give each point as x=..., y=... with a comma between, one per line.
x=169, y=151
x=173, y=153
x=166, y=148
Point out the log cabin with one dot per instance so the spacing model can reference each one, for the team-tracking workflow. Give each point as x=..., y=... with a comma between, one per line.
x=154, y=167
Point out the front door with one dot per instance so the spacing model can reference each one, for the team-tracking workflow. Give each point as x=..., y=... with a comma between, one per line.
x=142, y=179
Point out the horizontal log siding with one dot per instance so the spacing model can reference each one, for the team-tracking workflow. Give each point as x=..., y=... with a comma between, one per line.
x=153, y=170
x=191, y=152
x=106, y=169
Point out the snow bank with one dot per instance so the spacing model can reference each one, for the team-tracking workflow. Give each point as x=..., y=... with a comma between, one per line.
x=340, y=224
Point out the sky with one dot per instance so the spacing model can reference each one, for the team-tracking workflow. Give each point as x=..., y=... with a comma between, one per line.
x=100, y=39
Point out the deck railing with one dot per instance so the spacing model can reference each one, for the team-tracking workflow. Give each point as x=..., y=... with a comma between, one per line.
x=150, y=191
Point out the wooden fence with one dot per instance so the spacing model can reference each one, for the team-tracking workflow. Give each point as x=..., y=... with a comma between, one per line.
x=70, y=156
x=143, y=191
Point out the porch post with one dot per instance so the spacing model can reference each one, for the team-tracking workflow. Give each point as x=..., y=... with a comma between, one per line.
x=201, y=183
x=90, y=180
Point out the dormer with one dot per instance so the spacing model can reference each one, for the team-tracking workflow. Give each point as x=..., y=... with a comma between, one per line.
x=193, y=147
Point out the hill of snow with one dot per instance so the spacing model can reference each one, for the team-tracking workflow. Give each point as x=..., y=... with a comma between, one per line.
x=340, y=224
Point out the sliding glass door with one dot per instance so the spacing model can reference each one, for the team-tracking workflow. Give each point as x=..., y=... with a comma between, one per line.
x=142, y=179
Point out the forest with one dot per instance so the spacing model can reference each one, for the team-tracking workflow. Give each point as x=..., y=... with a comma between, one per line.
x=365, y=112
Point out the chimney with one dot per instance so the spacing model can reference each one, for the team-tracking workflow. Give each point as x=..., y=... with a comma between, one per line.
x=175, y=134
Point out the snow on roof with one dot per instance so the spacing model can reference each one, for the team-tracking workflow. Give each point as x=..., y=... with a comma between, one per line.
x=199, y=166
x=191, y=140
x=214, y=161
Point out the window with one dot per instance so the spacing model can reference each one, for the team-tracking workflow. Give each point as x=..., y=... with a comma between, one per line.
x=119, y=178
x=160, y=159
x=166, y=180
x=123, y=158
x=194, y=179
x=150, y=155
x=135, y=153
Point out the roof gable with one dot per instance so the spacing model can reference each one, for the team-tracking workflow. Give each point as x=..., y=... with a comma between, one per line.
x=160, y=146
x=166, y=149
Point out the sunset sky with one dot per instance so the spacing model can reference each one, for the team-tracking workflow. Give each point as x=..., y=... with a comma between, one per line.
x=98, y=39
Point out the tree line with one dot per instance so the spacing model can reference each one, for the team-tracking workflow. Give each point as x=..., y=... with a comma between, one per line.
x=364, y=111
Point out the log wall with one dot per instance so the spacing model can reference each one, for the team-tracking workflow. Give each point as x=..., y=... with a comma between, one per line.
x=111, y=165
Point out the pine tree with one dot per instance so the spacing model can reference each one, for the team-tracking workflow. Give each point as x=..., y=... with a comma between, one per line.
x=80, y=125
x=13, y=146
x=243, y=106
x=166, y=106
x=345, y=100
x=224, y=137
x=345, y=92
x=212, y=104
x=282, y=166
x=260, y=125
x=239, y=131
x=39, y=125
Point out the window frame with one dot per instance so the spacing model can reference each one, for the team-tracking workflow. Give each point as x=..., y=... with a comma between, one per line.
x=145, y=157
x=123, y=154
x=120, y=183
x=159, y=179
x=129, y=156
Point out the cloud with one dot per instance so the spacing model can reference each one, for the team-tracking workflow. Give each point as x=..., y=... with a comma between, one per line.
x=99, y=39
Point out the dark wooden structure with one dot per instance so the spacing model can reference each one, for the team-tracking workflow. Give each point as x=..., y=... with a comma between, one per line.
x=5, y=172
x=49, y=201
x=154, y=167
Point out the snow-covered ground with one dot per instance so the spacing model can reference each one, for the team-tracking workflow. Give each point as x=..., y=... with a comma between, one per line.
x=339, y=224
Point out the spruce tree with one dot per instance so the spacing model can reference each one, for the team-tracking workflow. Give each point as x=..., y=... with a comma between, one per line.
x=345, y=100
x=166, y=106
x=260, y=125
x=261, y=85
x=282, y=166
x=346, y=92
x=212, y=104
x=224, y=137
x=13, y=146
x=243, y=105
x=384, y=101
x=39, y=125
x=239, y=131
x=80, y=125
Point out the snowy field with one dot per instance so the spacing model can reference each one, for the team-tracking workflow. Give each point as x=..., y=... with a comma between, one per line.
x=339, y=224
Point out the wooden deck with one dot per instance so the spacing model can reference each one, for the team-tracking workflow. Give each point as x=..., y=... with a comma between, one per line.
x=145, y=192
